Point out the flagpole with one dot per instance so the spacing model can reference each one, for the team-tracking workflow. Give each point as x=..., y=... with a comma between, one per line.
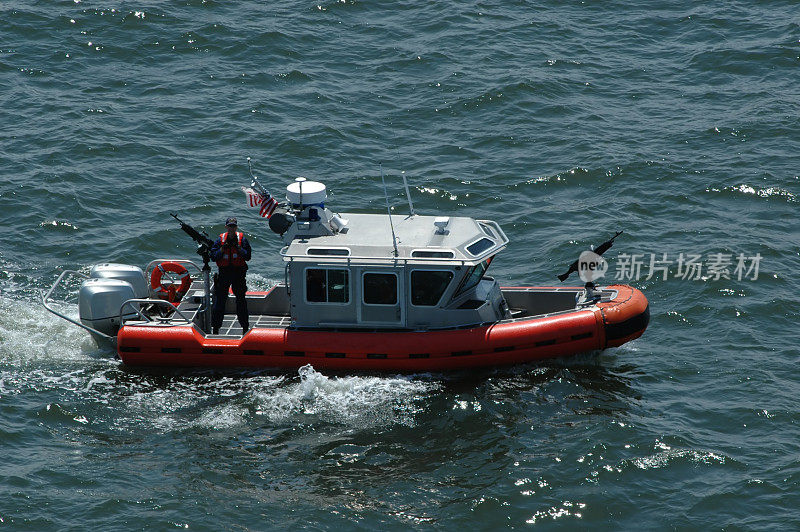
x=254, y=182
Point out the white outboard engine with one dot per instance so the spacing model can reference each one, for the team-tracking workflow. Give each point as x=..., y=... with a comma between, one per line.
x=102, y=295
x=122, y=272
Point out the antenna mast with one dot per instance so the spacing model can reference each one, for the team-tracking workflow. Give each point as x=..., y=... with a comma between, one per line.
x=408, y=194
x=389, y=211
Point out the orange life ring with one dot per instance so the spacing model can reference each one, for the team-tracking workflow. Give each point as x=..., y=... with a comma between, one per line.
x=169, y=292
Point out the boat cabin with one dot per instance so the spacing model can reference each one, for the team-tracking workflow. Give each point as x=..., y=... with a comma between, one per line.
x=360, y=270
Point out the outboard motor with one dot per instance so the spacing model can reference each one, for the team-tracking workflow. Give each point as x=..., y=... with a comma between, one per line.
x=122, y=272
x=102, y=295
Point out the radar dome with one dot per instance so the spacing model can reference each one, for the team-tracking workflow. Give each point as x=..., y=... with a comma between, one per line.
x=305, y=192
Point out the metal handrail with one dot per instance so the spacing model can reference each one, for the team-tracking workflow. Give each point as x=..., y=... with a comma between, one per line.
x=321, y=259
x=181, y=261
x=47, y=295
x=496, y=226
x=138, y=309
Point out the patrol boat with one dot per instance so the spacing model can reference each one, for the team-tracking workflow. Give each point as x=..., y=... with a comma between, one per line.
x=361, y=292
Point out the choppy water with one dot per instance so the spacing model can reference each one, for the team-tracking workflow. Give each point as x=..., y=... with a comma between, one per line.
x=677, y=122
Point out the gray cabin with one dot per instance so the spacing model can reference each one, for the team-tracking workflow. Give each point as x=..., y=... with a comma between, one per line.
x=358, y=271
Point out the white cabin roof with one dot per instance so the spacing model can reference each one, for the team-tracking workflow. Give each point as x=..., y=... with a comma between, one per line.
x=369, y=236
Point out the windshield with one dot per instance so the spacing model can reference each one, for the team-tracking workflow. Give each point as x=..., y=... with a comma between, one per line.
x=474, y=276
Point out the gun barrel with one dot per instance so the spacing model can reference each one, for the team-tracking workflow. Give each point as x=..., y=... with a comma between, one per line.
x=605, y=246
x=193, y=233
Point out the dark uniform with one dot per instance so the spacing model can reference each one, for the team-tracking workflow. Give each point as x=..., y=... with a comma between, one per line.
x=231, y=255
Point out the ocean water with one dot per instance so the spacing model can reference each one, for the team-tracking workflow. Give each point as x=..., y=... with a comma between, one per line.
x=676, y=122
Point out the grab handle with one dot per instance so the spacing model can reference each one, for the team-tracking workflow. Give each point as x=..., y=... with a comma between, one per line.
x=138, y=308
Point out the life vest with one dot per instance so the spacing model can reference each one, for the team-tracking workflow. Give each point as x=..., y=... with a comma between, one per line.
x=229, y=256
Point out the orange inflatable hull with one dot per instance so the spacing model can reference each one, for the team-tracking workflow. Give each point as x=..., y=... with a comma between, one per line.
x=608, y=324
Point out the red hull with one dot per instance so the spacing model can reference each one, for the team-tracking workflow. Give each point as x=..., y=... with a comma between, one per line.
x=609, y=325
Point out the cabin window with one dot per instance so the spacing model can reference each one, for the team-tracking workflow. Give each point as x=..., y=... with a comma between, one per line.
x=479, y=246
x=474, y=276
x=340, y=252
x=425, y=254
x=488, y=230
x=380, y=288
x=427, y=287
x=327, y=285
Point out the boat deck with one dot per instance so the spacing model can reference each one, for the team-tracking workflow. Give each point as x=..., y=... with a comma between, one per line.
x=231, y=328
x=267, y=309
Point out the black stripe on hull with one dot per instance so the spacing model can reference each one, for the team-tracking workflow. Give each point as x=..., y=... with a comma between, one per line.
x=615, y=331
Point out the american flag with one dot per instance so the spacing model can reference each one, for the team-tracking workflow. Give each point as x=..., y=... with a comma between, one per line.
x=265, y=202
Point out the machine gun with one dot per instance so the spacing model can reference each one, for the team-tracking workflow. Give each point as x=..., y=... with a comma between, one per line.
x=599, y=250
x=204, y=250
x=201, y=238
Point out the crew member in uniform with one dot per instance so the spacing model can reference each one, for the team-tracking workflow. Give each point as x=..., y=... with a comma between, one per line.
x=231, y=252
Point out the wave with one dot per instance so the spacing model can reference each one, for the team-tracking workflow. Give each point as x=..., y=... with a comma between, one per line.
x=745, y=190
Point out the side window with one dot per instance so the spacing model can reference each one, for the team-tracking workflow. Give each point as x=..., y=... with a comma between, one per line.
x=380, y=288
x=425, y=254
x=316, y=286
x=427, y=287
x=338, y=286
x=327, y=286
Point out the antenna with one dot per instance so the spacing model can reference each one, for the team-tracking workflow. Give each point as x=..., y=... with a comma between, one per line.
x=389, y=211
x=408, y=194
x=405, y=184
x=300, y=181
